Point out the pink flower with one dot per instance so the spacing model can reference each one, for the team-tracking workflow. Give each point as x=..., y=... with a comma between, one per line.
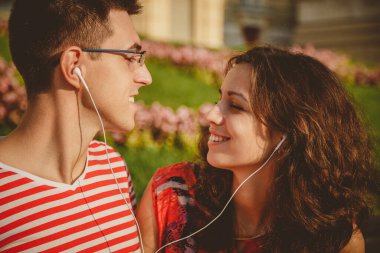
x=203, y=111
x=119, y=138
x=10, y=98
x=3, y=112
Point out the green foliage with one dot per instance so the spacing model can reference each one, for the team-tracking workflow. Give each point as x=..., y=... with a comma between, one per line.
x=367, y=100
x=368, y=103
x=143, y=161
x=4, y=48
x=173, y=86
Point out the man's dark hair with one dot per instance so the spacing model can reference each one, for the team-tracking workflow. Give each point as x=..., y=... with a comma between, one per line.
x=39, y=30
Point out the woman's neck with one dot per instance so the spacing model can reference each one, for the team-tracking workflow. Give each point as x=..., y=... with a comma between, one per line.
x=251, y=214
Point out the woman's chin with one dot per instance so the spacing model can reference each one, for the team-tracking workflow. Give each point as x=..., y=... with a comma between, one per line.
x=217, y=162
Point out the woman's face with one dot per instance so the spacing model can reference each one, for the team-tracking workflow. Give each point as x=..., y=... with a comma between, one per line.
x=238, y=140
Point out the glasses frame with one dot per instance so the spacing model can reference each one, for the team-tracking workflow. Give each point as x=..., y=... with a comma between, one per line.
x=141, y=59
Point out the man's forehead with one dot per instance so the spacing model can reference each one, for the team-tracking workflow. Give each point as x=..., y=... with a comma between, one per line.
x=124, y=34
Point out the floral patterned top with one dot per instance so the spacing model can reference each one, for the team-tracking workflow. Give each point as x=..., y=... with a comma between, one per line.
x=177, y=215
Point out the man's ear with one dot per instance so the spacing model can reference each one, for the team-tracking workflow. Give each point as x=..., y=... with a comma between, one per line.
x=71, y=58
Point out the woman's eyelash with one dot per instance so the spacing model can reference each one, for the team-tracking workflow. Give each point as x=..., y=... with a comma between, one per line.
x=236, y=107
x=233, y=105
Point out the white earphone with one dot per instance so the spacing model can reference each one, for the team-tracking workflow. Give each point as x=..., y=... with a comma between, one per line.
x=78, y=72
x=229, y=200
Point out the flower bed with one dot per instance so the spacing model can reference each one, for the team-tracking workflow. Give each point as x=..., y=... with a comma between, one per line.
x=12, y=98
x=3, y=27
x=158, y=123
x=214, y=61
x=161, y=122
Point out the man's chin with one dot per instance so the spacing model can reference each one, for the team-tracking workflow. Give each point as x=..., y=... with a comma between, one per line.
x=122, y=127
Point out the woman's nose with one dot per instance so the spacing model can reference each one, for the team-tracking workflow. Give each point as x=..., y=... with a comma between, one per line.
x=215, y=116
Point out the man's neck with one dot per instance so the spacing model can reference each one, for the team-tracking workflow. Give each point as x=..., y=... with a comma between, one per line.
x=52, y=140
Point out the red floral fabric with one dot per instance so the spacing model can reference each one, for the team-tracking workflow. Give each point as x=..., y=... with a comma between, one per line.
x=177, y=215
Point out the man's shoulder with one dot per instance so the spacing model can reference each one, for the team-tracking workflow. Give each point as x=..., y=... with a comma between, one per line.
x=101, y=154
x=99, y=148
x=100, y=145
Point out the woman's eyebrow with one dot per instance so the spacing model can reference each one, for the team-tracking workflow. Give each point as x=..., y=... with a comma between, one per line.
x=234, y=93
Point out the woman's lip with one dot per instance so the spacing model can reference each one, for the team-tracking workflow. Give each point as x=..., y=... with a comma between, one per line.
x=216, y=139
x=217, y=134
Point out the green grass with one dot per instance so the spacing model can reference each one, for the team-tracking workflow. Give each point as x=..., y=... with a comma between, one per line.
x=143, y=162
x=173, y=86
x=4, y=48
x=368, y=103
x=367, y=100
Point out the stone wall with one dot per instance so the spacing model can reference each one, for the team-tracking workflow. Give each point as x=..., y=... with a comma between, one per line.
x=351, y=26
x=198, y=22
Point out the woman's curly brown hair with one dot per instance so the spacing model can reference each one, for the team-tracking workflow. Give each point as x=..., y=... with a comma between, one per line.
x=320, y=186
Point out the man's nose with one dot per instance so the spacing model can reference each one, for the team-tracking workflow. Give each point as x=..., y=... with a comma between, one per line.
x=142, y=76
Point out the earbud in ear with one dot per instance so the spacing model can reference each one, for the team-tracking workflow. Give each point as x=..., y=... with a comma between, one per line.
x=77, y=72
x=280, y=143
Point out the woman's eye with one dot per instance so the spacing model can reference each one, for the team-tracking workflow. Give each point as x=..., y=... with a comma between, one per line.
x=237, y=107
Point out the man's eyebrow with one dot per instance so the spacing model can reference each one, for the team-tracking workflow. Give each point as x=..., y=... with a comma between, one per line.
x=136, y=46
x=234, y=93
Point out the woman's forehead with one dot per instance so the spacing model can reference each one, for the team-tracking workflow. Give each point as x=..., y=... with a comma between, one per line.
x=238, y=78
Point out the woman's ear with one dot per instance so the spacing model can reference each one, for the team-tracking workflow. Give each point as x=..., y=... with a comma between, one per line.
x=70, y=59
x=282, y=147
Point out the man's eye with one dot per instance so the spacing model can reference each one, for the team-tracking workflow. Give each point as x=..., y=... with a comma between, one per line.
x=130, y=58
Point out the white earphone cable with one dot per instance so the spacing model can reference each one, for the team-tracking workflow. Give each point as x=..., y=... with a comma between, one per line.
x=229, y=200
x=108, y=159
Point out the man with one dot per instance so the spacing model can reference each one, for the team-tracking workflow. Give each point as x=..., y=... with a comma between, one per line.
x=59, y=189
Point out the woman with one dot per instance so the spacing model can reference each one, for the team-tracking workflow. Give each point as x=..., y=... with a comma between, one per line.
x=286, y=118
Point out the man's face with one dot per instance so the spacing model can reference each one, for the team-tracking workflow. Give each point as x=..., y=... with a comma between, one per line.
x=114, y=79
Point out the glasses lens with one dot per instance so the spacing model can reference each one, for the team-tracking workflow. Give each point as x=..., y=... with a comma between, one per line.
x=142, y=58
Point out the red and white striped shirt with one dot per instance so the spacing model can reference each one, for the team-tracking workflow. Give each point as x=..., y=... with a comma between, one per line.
x=39, y=215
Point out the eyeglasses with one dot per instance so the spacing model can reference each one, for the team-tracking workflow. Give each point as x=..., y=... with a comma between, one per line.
x=140, y=59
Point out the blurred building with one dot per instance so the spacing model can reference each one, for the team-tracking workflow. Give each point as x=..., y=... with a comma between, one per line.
x=199, y=22
x=5, y=5
x=350, y=26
